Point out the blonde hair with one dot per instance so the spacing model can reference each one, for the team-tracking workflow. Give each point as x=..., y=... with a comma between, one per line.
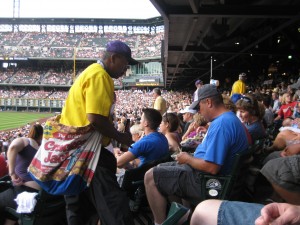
x=283, y=100
x=199, y=119
x=229, y=103
x=136, y=129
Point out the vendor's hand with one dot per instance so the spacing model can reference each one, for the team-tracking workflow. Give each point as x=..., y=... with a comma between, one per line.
x=17, y=181
x=117, y=152
x=183, y=157
x=126, y=138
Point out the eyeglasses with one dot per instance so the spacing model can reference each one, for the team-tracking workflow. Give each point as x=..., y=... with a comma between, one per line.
x=246, y=99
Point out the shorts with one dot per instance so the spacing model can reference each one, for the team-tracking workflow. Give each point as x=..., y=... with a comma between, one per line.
x=181, y=180
x=284, y=172
x=231, y=213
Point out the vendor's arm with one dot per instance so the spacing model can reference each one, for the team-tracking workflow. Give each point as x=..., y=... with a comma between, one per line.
x=198, y=164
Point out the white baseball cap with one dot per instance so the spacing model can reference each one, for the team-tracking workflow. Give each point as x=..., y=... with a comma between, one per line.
x=188, y=110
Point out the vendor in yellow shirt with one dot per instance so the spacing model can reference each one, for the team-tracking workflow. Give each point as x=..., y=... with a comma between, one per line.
x=239, y=87
x=90, y=101
x=160, y=103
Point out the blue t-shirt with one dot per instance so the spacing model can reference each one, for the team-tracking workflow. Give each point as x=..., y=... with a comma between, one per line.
x=256, y=130
x=151, y=147
x=225, y=137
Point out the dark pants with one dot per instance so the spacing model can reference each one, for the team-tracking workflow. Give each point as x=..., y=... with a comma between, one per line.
x=7, y=198
x=103, y=199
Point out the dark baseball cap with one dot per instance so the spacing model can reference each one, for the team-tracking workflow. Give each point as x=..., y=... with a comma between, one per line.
x=206, y=91
x=122, y=49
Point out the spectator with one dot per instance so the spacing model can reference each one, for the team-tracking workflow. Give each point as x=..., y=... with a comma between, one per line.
x=160, y=103
x=137, y=132
x=198, y=125
x=169, y=127
x=187, y=117
x=3, y=165
x=239, y=87
x=198, y=84
x=268, y=118
x=250, y=114
x=276, y=102
x=290, y=134
x=226, y=136
x=296, y=113
x=229, y=104
x=152, y=146
x=287, y=107
x=209, y=212
x=284, y=175
x=20, y=153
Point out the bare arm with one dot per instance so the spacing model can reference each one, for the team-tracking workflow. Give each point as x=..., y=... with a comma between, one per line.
x=124, y=159
x=290, y=150
x=105, y=127
x=189, y=130
x=173, y=144
x=15, y=147
x=198, y=164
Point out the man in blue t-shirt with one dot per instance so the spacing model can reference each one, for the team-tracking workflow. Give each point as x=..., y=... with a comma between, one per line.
x=225, y=137
x=152, y=146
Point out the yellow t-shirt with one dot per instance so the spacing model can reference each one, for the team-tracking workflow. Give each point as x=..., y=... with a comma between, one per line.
x=160, y=104
x=238, y=87
x=92, y=92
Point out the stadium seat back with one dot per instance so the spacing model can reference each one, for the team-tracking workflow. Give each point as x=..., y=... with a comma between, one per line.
x=49, y=209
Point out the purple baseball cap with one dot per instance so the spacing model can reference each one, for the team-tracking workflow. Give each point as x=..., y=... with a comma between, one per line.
x=198, y=82
x=122, y=49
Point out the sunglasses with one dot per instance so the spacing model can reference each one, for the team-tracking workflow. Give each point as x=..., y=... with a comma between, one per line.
x=246, y=99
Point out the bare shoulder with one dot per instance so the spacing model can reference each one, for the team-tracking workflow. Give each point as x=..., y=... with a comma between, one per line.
x=19, y=143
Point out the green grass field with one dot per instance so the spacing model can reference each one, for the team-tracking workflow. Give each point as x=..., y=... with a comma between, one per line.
x=11, y=120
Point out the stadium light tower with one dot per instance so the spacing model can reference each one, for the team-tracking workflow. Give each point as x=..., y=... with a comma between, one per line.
x=16, y=9
x=16, y=13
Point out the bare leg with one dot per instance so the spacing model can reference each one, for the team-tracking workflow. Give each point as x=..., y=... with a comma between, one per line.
x=157, y=202
x=206, y=213
x=9, y=222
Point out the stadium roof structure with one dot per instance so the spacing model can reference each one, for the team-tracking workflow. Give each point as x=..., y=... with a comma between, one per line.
x=225, y=37
x=156, y=21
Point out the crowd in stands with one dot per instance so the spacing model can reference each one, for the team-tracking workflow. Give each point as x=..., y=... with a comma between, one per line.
x=12, y=93
x=26, y=76
x=57, y=77
x=5, y=74
x=259, y=108
x=48, y=76
x=131, y=102
x=63, y=45
x=23, y=92
x=30, y=75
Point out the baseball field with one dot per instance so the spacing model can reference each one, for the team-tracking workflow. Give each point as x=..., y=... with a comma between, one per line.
x=11, y=120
